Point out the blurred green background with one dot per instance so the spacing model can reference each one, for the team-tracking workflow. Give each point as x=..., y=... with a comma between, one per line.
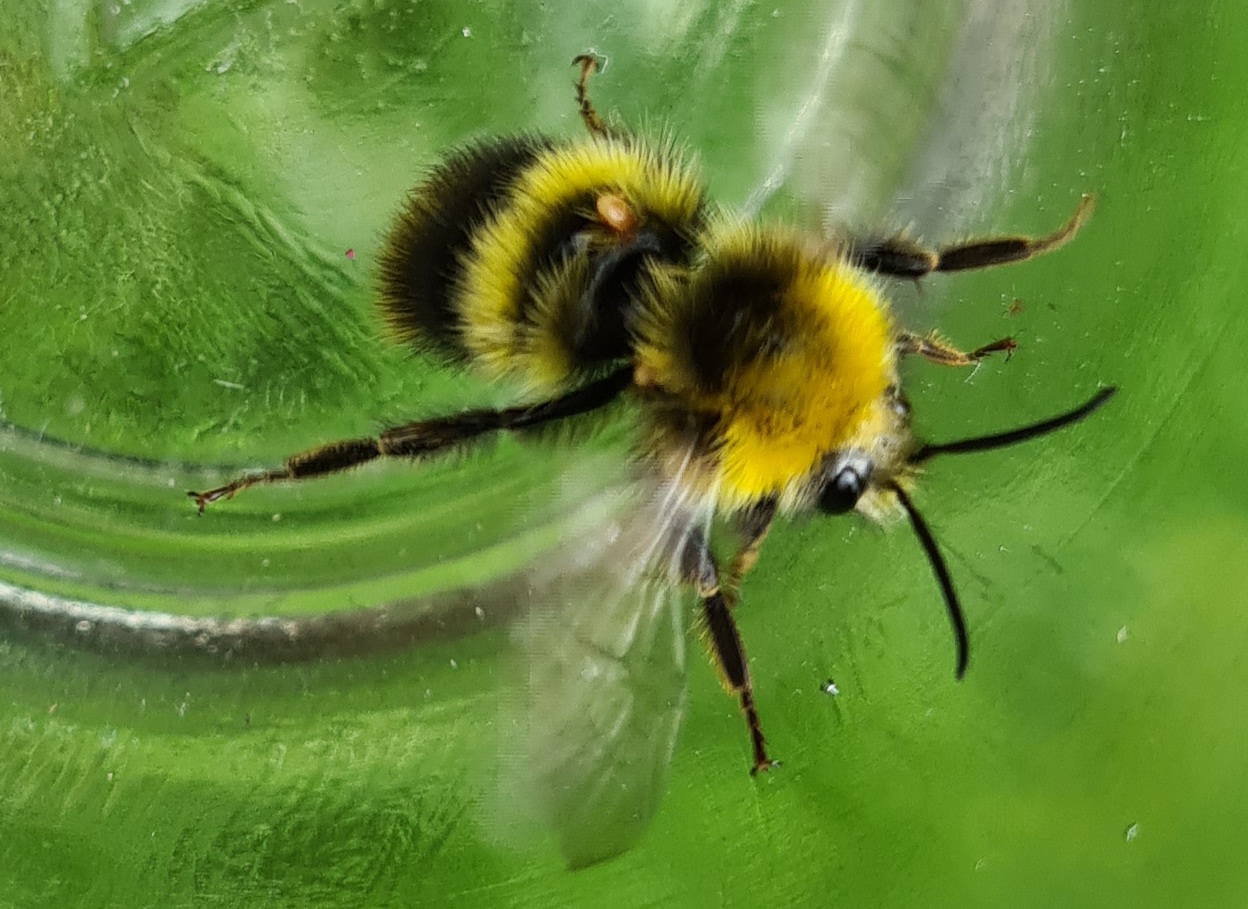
x=181, y=183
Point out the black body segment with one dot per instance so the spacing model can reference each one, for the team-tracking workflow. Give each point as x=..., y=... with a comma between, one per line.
x=435, y=229
x=735, y=299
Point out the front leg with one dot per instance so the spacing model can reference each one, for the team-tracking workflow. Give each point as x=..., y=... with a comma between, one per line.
x=932, y=347
x=752, y=525
x=723, y=641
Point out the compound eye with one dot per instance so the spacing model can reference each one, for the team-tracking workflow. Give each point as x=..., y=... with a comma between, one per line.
x=841, y=493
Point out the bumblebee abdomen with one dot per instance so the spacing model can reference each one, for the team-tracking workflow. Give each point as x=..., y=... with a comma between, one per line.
x=423, y=255
x=547, y=289
x=525, y=255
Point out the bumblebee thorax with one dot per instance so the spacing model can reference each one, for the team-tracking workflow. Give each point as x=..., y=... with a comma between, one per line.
x=785, y=356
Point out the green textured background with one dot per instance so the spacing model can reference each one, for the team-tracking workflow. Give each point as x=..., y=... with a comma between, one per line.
x=179, y=184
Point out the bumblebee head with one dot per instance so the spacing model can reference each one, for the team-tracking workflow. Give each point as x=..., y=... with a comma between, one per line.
x=858, y=476
x=873, y=479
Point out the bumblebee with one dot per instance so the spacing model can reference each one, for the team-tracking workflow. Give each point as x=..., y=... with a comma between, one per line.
x=763, y=363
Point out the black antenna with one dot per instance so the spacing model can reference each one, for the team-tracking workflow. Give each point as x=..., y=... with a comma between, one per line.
x=1002, y=439
x=980, y=443
x=941, y=570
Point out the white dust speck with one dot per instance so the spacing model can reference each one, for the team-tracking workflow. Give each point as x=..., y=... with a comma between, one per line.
x=1121, y=636
x=1132, y=832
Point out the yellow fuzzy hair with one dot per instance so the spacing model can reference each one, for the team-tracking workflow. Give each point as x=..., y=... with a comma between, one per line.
x=652, y=178
x=779, y=413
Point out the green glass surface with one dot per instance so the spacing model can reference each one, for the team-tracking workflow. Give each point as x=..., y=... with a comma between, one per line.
x=194, y=195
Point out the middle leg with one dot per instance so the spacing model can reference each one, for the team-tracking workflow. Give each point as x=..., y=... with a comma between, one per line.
x=932, y=347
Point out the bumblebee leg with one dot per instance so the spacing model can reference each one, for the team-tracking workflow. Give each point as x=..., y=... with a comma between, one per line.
x=904, y=259
x=428, y=437
x=724, y=641
x=931, y=347
x=752, y=525
x=588, y=64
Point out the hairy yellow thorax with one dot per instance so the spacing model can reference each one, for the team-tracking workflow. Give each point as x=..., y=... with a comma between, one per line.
x=803, y=357
x=783, y=413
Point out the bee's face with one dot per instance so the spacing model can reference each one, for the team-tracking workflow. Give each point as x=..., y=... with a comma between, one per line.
x=854, y=477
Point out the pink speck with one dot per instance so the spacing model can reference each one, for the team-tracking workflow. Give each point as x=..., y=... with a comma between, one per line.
x=351, y=254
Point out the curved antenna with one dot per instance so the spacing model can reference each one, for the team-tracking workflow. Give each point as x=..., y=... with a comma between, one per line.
x=941, y=571
x=1013, y=436
x=962, y=446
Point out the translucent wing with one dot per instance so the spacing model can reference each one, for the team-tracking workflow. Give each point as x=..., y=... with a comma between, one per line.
x=604, y=655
